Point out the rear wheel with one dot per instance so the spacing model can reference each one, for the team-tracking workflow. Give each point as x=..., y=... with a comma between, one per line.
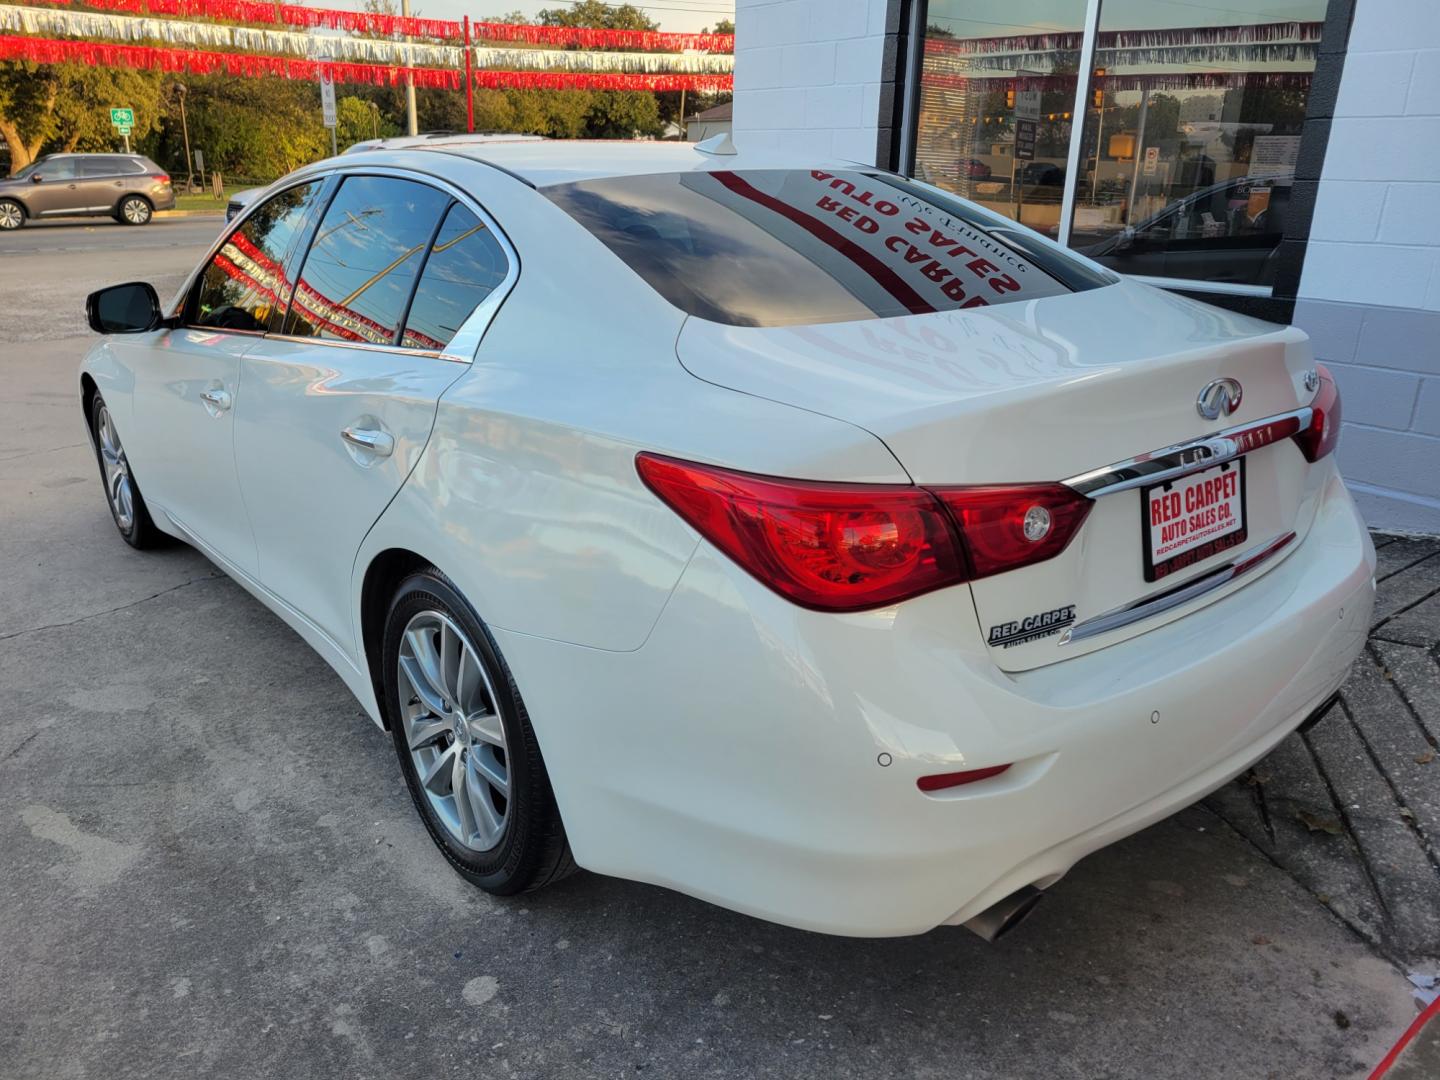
x=466, y=747
x=127, y=505
x=134, y=210
x=12, y=214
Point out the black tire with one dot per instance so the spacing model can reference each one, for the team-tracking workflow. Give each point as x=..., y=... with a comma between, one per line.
x=134, y=210
x=139, y=531
x=532, y=850
x=12, y=215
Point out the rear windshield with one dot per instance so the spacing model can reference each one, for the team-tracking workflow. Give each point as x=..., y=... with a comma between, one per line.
x=773, y=247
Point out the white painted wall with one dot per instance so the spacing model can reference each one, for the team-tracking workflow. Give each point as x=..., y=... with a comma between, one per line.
x=1370, y=292
x=808, y=75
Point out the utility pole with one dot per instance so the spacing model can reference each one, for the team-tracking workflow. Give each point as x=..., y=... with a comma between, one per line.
x=185, y=130
x=411, y=126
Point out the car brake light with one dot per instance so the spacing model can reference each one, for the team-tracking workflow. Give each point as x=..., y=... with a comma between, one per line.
x=1016, y=525
x=1321, y=437
x=850, y=547
x=160, y=178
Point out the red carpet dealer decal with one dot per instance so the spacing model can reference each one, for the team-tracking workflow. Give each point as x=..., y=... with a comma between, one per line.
x=1193, y=518
x=902, y=251
x=1031, y=628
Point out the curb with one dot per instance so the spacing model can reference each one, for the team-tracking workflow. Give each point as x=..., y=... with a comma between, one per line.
x=218, y=212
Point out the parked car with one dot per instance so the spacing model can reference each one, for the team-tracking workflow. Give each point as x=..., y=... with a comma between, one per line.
x=975, y=169
x=1228, y=231
x=127, y=187
x=803, y=538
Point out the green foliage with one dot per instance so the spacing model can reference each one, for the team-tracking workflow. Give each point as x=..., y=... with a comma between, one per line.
x=358, y=120
x=595, y=13
x=723, y=26
x=64, y=107
x=256, y=128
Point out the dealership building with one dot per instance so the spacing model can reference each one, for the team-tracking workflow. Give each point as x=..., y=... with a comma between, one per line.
x=1276, y=157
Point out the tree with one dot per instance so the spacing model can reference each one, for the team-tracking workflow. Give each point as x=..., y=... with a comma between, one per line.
x=594, y=13
x=66, y=107
x=357, y=120
x=724, y=26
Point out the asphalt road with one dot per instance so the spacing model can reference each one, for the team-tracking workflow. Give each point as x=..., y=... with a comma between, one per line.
x=209, y=865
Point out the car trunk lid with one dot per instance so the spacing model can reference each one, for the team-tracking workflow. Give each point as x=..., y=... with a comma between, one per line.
x=1048, y=390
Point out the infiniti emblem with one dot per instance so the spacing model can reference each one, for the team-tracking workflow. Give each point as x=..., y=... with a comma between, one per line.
x=1219, y=398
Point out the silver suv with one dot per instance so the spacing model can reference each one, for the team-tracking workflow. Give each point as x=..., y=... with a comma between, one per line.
x=127, y=187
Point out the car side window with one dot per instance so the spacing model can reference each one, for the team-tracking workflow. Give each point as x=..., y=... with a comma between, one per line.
x=245, y=280
x=61, y=169
x=95, y=167
x=359, y=274
x=465, y=266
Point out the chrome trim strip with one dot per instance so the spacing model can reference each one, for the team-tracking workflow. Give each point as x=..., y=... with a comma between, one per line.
x=1225, y=288
x=367, y=346
x=1182, y=459
x=1151, y=606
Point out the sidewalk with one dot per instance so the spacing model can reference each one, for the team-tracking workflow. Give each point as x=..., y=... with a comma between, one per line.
x=1352, y=807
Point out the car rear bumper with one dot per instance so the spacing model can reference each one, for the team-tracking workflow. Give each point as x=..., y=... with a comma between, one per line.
x=162, y=196
x=765, y=757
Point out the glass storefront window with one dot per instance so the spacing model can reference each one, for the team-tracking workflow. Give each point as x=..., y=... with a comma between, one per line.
x=997, y=85
x=1189, y=125
x=1191, y=131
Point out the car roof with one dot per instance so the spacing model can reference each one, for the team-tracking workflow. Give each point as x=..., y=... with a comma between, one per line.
x=543, y=162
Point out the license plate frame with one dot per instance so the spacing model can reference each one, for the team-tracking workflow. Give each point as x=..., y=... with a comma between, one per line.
x=1208, y=544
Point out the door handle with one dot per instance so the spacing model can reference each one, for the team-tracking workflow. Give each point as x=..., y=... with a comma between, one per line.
x=216, y=400
x=379, y=443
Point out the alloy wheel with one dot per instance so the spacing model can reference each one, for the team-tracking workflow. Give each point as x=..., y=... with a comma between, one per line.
x=136, y=211
x=453, y=730
x=11, y=216
x=118, y=486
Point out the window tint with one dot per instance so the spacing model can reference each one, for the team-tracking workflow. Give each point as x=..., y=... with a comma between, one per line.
x=57, y=169
x=772, y=247
x=465, y=266
x=360, y=270
x=245, y=282
x=103, y=167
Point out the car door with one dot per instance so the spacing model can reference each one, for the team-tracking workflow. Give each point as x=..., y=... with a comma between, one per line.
x=188, y=382
x=100, y=182
x=338, y=406
x=53, y=188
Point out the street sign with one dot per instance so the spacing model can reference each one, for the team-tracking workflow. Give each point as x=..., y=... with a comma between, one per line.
x=327, y=100
x=1152, y=160
x=199, y=160
x=122, y=129
x=1025, y=139
x=123, y=118
x=1027, y=105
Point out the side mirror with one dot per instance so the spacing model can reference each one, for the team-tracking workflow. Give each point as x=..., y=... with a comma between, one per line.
x=1126, y=239
x=35, y=178
x=131, y=308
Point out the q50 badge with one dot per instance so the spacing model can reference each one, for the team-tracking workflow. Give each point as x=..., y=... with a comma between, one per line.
x=1032, y=627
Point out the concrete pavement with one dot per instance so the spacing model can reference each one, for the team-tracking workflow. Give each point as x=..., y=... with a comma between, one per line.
x=211, y=866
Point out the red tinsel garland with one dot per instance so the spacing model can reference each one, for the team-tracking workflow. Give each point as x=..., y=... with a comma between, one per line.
x=1165, y=37
x=365, y=22
x=593, y=38
x=102, y=54
x=599, y=80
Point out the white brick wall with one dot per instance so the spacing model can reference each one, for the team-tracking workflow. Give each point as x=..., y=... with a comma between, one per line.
x=807, y=75
x=1370, y=293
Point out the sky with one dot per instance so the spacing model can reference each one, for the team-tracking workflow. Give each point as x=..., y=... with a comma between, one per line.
x=681, y=16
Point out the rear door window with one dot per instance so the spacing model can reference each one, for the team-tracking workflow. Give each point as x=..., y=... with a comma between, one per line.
x=780, y=246
x=465, y=266
x=361, y=269
x=98, y=167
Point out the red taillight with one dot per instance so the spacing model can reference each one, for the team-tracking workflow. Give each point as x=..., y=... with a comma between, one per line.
x=160, y=178
x=1320, y=437
x=849, y=547
x=941, y=781
x=1006, y=527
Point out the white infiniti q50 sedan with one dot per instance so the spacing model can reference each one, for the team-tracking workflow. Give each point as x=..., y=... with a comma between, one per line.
x=785, y=532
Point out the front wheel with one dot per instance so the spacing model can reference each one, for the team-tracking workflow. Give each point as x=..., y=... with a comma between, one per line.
x=134, y=210
x=127, y=505
x=12, y=214
x=466, y=747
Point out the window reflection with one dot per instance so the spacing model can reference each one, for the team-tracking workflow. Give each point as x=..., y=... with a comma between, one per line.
x=361, y=267
x=1191, y=134
x=464, y=267
x=997, y=87
x=245, y=282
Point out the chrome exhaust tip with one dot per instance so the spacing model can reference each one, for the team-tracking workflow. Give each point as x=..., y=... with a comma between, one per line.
x=1000, y=918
